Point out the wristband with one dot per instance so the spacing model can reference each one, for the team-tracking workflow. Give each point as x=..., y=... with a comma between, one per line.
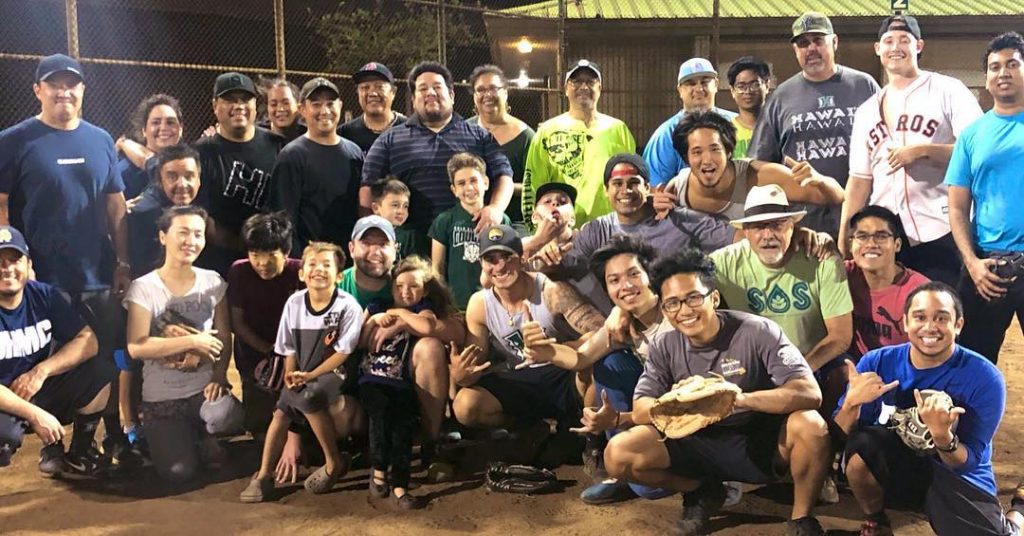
x=953, y=445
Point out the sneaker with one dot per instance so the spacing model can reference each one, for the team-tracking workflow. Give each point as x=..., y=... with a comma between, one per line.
x=698, y=507
x=87, y=461
x=733, y=493
x=5, y=455
x=805, y=526
x=51, y=460
x=874, y=528
x=122, y=454
x=829, y=492
x=607, y=492
x=257, y=491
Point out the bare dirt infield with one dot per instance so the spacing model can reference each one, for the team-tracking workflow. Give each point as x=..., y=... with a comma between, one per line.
x=32, y=505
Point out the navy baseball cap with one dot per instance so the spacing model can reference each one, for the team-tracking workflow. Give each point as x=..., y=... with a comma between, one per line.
x=373, y=70
x=315, y=84
x=373, y=222
x=11, y=238
x=566, y=189
x=500, y=238
x=58, y=63
x=232, y=81
x=904, y=23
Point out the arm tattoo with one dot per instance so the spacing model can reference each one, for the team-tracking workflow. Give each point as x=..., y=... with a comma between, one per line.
x=582, y=316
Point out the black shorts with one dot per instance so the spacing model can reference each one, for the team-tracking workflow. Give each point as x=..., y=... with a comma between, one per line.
x=535, y=393
x=741, y=452
x=953, y=505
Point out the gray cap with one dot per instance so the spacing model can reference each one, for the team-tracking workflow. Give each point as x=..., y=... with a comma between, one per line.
x=224, y=416
x=373, y=222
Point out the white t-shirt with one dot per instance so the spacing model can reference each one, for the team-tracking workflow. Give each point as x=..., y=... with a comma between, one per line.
x=312, y=336
x=934, y=108
x=195, y=308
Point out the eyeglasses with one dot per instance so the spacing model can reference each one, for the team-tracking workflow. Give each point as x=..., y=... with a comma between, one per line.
x=752, y=87
x=489, y=90
x=574, y=82
x=878, y=238
x=692, y=301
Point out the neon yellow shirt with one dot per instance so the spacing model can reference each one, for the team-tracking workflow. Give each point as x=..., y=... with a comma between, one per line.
x=743, y=135
x=565, y=150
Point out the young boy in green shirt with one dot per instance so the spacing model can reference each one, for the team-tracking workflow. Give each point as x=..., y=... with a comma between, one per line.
x=455, y=252
x=391, y=202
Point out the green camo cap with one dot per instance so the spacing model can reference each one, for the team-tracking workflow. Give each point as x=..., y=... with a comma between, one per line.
x=812, y=22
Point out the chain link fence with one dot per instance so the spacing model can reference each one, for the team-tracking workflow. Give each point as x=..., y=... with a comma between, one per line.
x=134, y=48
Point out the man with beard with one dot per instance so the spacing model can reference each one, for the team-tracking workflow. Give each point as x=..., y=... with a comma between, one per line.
x=984, y=178
x=902, y=139
x=774, y=427
x=316, y=177
x=236, y=163
x=418, y=151
x=749, y=78
x=716, y=183
x=490, y=97
x=764, y=274
x=282, y=108
x=574, y=147
x=810, y=116
x=157, y=122
x=375, y=87
x=953, y=481
x=59, y=186
x=697, y=85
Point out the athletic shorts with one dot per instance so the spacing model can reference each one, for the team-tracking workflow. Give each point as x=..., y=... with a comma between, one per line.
x=741, y=452
x=535, y=393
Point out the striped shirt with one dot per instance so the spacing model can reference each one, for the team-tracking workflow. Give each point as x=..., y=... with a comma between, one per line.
x=418, y=156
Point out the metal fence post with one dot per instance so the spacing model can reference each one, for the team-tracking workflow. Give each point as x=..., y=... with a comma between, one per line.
x=279, y=36
x=442, y=33
x=71, y=18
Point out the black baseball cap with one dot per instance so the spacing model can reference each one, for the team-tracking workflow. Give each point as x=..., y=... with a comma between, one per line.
x=58, y=63
x=233, y=81
x=316, y=84
x=11, y=238
x=583, y=64
x=904, y=23
x=567, y=189
x=373, y=70
x=500, y=238
x=627, y=158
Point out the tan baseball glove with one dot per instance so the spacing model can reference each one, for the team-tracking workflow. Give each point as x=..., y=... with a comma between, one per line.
x=693, y=404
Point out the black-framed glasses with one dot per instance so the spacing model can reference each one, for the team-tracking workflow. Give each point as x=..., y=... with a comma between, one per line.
x=751, y=87
x=576, y=82
x=878, y=238
x=488, y=90
x=692, y=301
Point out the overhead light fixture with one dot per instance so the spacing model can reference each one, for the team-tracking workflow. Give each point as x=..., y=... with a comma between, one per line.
x=524, y=46
x=523, y=80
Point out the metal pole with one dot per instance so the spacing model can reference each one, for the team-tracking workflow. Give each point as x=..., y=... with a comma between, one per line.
x=560, y=54
x=442, y=34
x=71, y=18
x=279, y=36
x=716, y=31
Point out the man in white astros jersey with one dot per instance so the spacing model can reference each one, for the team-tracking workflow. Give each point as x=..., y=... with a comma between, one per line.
x=901, y=143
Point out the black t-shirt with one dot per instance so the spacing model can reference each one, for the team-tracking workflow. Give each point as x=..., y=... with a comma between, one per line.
x=235, y=185
x=319, y=187
x=292, y=131
x=357, y=131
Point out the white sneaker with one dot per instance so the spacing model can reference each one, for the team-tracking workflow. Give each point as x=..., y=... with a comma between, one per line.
x=829, y=494
x=733, y=494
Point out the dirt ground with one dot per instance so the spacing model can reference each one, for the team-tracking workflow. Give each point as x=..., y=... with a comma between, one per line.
x=30, y=504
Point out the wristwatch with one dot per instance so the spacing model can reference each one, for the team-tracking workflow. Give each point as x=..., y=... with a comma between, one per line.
x=953, y=445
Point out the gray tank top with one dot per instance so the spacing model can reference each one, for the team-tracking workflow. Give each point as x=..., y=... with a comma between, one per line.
x=733, y=210
x=505, y=337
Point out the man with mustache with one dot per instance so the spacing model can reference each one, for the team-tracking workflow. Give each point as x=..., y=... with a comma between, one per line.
x=697, y=86
x=574, y=147
x=984, y=178
x=316, y=177
x=418, y=151
x=236, y=165
x=375, y=86
x=902, y=139
x=764, y=274
x=810, y=116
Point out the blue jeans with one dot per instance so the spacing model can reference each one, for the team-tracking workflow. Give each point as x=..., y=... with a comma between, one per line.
x=617, y=374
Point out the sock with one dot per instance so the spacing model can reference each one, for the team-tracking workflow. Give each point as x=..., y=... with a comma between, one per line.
x=84, y=432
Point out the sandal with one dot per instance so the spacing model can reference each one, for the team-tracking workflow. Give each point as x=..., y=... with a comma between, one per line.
x=378, y=491
x=258, y=490
x=322, y=482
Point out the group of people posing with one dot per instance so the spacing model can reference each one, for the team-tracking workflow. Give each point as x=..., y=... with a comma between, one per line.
x=840, y=251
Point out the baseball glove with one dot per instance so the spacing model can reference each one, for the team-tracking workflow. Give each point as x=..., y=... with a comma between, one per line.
x=911, y=429
x=522, y=479
x=693, y=404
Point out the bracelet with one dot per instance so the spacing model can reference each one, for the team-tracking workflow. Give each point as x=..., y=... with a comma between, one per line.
x=953, y=445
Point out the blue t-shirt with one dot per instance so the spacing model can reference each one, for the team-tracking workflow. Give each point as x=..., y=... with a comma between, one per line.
x=986, y=160
x=28, y=332
x=662, y=158
x=134, y=178
x=58, y=181
x=973, y=383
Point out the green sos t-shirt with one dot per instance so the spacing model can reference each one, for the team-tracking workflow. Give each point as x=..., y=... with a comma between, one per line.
x=798, y=297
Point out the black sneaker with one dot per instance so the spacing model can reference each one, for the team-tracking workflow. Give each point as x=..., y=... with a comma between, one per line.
x=123, y=454
x=805, y=526
x=89, y=461
x=52, y=461
x=698, y=507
